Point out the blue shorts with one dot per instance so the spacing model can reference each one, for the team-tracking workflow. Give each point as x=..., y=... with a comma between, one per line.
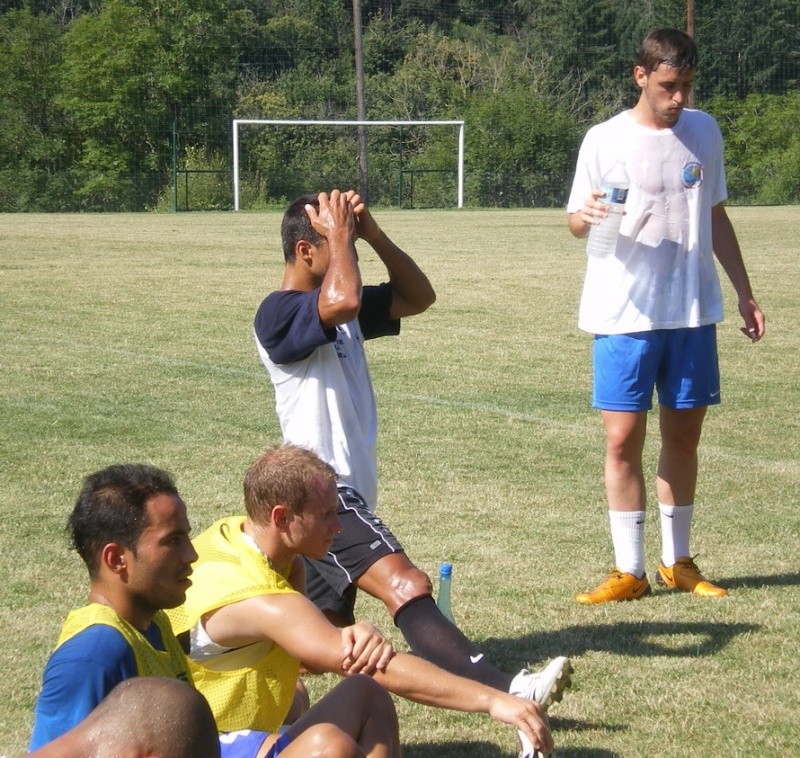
x=681, y=364
x=246, y=743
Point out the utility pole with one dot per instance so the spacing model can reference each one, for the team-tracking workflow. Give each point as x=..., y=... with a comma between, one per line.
x=690, y=32
x=361, y=105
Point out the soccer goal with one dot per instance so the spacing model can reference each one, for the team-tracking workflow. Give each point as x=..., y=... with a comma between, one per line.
x=240, y=122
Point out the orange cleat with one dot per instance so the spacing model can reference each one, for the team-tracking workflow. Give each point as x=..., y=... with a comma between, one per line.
x=618, y=587
x=684, y=575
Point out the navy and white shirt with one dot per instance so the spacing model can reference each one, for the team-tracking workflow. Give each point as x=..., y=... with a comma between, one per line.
x=323, y=391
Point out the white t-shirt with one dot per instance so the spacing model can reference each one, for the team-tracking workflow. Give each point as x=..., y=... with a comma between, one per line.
x=662, y=275
x=326, y=404
x=323, y=391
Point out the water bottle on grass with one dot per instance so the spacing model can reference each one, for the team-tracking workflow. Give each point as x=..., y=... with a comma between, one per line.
x=445, y=583
x=603, y=236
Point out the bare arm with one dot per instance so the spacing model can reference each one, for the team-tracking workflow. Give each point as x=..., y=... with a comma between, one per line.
x=278, y=617
x=593, y=212
x=359, y=648
x=412, y=291
x=418, y=680
x=340, y=290
x=726, y=248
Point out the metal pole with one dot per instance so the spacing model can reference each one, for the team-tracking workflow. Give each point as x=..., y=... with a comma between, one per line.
x=174, y=166
x=361, y=105
x=461, y=165
x=690, y=32
x=235, y=165
x=400, y=174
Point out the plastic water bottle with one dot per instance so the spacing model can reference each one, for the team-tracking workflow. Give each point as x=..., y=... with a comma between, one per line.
x=445, y=583
x=603, y=236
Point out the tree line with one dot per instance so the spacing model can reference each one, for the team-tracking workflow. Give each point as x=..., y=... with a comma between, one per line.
x=101, y=100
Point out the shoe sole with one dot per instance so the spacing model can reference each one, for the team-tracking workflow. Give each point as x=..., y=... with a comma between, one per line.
x=664, y=583
x=648, y=590
x=560, y=680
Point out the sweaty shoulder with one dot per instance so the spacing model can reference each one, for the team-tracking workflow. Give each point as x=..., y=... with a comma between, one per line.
x=288, y=327
x=621, y=123
x=700, y=131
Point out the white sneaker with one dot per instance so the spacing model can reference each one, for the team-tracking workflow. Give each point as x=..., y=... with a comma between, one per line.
x=545, y=687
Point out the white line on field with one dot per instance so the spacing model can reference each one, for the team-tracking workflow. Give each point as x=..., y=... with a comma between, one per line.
x=779, y=467
x=489, y=410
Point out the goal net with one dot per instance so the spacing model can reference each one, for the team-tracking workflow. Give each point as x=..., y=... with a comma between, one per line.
x=456, y=166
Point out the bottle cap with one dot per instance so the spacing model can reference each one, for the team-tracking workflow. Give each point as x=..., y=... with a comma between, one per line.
x=446, y=569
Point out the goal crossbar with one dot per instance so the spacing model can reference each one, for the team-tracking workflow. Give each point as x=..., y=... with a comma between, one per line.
x=304, y=122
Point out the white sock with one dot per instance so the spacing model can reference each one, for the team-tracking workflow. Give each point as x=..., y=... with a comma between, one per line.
x=676, y=526
x=627, y=535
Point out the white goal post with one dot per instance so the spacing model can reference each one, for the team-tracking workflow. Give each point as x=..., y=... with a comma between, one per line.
x=292, y=122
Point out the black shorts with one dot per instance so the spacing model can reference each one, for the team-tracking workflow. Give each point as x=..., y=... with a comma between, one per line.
x=364, y=539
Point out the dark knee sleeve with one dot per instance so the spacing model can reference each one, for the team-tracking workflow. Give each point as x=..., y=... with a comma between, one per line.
x=433, y=637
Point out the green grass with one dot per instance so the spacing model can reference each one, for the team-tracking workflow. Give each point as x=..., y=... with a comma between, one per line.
x=127, y=337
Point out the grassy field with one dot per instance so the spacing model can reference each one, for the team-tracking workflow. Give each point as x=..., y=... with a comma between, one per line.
x=127, y=337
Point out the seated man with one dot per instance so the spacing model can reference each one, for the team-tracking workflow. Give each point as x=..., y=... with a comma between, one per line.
x=249, y=629
x=143, y=717
x=130, y=527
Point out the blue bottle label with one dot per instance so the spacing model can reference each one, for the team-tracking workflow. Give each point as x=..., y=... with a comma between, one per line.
x=615, y=194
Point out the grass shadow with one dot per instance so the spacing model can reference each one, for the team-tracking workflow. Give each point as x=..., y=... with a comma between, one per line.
x=673, y=639
x=468, y=749
x=454, y=750
x=756, y=582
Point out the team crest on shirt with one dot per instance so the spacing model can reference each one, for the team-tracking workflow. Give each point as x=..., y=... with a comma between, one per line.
x=692, y=175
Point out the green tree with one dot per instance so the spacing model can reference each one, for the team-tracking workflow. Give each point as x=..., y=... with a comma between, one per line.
x=762, y=147
x=90, y=90
x=34, y=147
x=387, y=43
x=130, y=72
x=111, y=94
x=743, y=52
x=521, y=150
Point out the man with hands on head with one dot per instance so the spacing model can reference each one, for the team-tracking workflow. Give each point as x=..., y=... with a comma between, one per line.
x=310, y=336
x=250, y=629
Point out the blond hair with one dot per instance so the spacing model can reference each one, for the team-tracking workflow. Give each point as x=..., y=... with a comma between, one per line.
x=285, y=475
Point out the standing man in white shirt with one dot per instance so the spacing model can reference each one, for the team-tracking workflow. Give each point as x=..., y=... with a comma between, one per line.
x=653, y=306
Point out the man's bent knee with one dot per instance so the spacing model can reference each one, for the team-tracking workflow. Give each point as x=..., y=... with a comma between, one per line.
x=395, y=581
x=327, y=741
x=361, y=688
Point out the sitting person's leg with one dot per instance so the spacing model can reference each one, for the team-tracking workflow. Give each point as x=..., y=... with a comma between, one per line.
x=405, y=590
x=300, y=704
x=365, y=554
x=357, y=717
